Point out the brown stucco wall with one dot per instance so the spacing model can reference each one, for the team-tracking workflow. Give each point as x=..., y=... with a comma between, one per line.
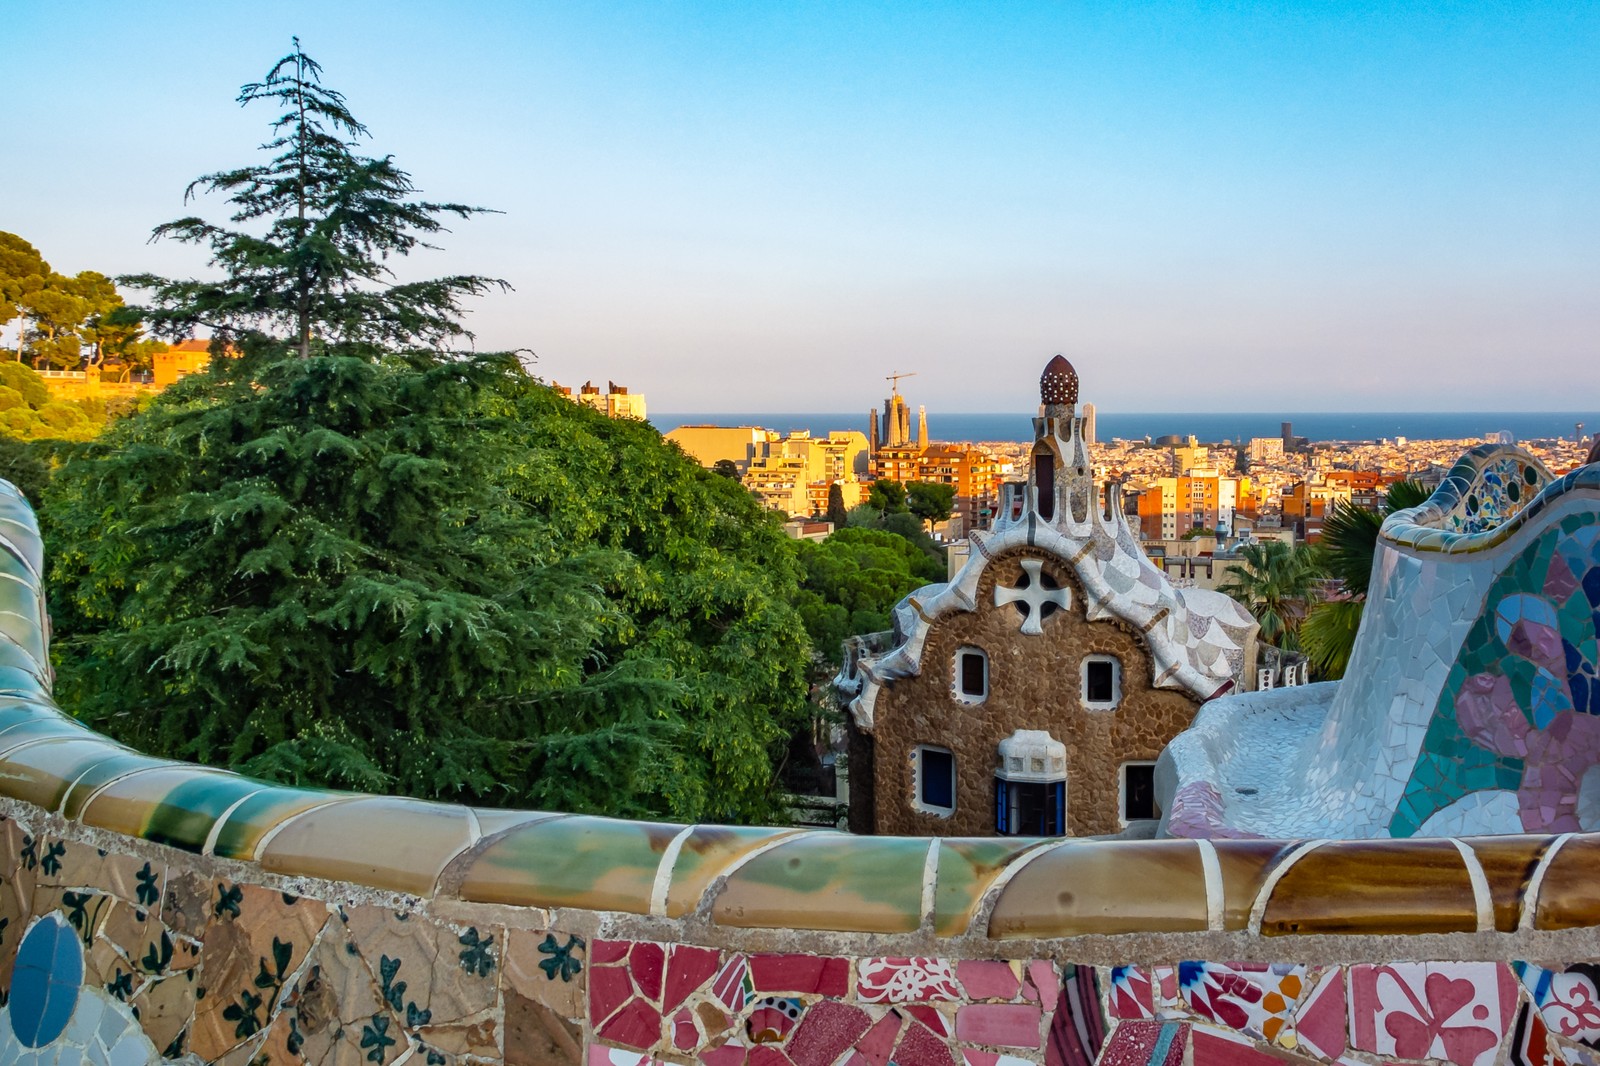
x=1033, y=684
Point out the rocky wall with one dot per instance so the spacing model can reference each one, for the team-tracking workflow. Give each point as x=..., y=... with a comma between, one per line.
x=1033, y=684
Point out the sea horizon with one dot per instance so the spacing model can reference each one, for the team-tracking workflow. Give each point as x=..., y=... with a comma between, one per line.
x=1208, y=427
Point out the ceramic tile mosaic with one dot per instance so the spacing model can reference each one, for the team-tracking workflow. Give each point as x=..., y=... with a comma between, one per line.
x=1472, y=702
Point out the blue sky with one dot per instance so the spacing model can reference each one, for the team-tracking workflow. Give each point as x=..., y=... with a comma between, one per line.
x=769, y=206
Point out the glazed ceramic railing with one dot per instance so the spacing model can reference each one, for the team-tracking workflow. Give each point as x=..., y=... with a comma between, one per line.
x=199, y=911
x=1492, y=491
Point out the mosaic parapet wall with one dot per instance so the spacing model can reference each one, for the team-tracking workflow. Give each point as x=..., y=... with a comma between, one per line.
x=1472, y=701
x=153, y=911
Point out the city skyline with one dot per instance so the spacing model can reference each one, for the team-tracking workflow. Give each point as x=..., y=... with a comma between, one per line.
x=772, y=208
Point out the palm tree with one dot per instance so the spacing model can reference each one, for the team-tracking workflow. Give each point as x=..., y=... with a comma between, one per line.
x=1275, y=582
x=1349, y=544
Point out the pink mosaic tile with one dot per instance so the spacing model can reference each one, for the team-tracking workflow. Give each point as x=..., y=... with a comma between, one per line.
x=1043, y=986
x=725, y=1055
x=905, y=980
x=827, y=1030
x=999, y=1024
x=929, y=1016
x=879, y=1042
x=604, y=951
x=685, y=1034
x=636, y=1025
x=609, y=988
x=767, y=1056
x=1217, y=1049
x=1146, y=1043
x=1131, y=993
x=1319, y=1022
x=919, y=1047
x=985, y=979
x=806, y=974
x=1454, y=1011
x=732, y=985
x=647, y=962
x=688, y=968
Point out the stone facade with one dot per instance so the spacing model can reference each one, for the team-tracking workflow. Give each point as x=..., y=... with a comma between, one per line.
x=1056, y=601
x=1034, y=683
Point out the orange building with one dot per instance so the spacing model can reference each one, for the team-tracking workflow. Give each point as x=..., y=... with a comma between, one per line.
x=973, y=472
x=179, y=361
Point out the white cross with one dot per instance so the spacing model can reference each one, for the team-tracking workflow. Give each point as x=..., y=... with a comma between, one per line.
x=1035, y=596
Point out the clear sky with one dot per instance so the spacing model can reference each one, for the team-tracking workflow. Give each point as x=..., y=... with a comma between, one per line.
x=767, y=206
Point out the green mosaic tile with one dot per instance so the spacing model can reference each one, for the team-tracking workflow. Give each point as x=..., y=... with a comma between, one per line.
x=829, y=881
x=967, y=869
x=706, y=854
x=571, y=861
x=383, y=841
x=119, y=765
x=37, y=728
x=42, y=773
x=244, y=827
x=176, y=805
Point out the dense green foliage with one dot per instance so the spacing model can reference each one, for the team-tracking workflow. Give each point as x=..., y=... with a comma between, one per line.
x=709, y=595
x=1275, y=582
x=340, y=557
x=66, y=321
x=853, y=579
x=28, y=413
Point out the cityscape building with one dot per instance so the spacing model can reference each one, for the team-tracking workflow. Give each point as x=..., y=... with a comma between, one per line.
x=615, y=402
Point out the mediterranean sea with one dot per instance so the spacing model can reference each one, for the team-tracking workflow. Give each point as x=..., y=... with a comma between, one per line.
x=1209, y=427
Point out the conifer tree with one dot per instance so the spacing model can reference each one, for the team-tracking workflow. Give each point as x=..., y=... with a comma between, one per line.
x=304, y=562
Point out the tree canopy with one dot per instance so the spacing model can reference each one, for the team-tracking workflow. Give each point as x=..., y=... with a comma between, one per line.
x=64, y=322
x=344, y=556
x=852, y=580
x=1275, y=582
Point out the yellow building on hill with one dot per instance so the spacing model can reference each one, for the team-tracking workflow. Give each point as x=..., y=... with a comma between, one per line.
x=171, y=366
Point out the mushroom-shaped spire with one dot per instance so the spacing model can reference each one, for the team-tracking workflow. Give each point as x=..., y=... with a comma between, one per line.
x=1059, y=383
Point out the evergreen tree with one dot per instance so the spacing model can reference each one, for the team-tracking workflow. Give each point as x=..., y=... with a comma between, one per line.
x=306, y=562
x=836, y=510
x=333, y=220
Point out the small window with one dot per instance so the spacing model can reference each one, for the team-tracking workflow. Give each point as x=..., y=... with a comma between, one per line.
x=1138, y=791
x=934, y=780
x=972, y=675
x=1102, y=682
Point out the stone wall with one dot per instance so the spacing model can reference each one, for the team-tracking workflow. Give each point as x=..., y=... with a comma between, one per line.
x=1034, y=683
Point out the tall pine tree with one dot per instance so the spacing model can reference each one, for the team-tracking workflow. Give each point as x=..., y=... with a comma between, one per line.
x=304, y=562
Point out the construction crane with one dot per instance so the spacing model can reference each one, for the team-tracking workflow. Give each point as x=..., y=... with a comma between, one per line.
x=894, y=381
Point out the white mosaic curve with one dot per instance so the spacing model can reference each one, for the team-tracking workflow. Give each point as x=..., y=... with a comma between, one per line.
x=1334, y=760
